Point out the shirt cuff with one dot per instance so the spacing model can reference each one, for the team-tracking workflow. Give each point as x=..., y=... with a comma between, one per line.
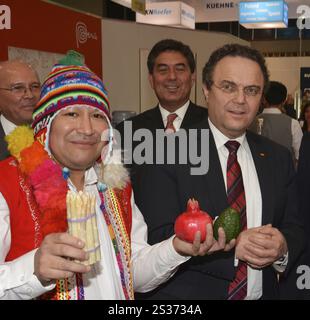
x=173, y=257
x=19, y=281
x=280, y=264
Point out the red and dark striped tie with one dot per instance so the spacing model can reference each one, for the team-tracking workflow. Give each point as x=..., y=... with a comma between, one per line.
x=169, y=126
x=236, y=199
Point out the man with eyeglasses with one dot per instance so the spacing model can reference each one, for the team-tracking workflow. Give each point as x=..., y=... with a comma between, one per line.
x=247, y=172
x=19, y=93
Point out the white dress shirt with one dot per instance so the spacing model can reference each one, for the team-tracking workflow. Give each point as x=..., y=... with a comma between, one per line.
x=295, y=131
x=17, y=280
x=252, y=196
x=179, y=112
x=7, y=125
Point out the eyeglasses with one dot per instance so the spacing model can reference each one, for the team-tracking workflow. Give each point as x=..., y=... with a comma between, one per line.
x=20, y=89
x=232, y=88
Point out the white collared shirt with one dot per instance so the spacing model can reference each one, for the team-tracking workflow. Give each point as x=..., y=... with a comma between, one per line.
x=252, y=196
x=7, y=125
x=17, y=280
x=180, y=115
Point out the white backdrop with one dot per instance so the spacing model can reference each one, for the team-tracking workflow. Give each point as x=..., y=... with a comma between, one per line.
x=41, y=61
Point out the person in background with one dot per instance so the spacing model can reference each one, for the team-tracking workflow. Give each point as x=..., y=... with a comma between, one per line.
x=172, y=73
x=276, y=125
x=305, y=117
x=303, y=179
x=296, y=284
x=306, y=95
x=289, y=107
x=19, y=93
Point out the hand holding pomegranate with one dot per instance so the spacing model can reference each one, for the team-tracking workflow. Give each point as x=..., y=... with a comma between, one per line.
x=194, y=233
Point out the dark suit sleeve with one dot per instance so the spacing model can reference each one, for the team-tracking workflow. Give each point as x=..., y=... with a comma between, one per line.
x=292, y=223
x=157, y=199
x=304, y=182
x=288, y=284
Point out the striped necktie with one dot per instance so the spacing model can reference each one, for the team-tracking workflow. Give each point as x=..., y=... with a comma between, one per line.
x=169, y=126
x=236, y=199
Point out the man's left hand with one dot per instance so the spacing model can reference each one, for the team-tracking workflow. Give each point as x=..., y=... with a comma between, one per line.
x=264, y=247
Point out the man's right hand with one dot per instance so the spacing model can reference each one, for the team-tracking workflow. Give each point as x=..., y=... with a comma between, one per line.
x=51, y=259
x=209, y=246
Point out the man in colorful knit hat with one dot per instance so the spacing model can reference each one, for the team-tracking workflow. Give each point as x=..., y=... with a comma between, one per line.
x=72, y=149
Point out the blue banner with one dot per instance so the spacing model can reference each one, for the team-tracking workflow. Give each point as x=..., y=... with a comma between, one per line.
x=263, y=12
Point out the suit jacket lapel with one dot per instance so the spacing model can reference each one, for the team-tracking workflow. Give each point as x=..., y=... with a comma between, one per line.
x=216, y=190
x=264, y=169
x=189, y=117
x=154, y=119
x=193, y=116
x=3, y=145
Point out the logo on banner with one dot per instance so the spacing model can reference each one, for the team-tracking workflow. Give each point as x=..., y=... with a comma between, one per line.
x=187, y=15
x=5, y=17
x=82, y=35
x=303, y=21
x=158, y=12
x=220, y=5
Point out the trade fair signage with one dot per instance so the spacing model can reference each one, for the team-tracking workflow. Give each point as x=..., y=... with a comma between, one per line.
x=263, y=14
x=174, y=13
x=226, y=10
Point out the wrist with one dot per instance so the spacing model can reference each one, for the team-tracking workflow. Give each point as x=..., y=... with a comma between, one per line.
x=176, y=242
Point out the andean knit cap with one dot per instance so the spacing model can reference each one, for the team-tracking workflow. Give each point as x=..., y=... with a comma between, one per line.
x=69, y=83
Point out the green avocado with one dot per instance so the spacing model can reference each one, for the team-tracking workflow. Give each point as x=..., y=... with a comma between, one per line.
x=229, y=220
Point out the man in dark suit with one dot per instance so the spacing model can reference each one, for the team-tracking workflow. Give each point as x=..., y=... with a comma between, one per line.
x=4, y=153
x=263, y=183
x=297, y=284
x=172, y=73
x=19, y=93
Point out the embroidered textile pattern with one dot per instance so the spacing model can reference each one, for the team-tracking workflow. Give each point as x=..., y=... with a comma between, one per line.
x=121, y=240
x=33, y=209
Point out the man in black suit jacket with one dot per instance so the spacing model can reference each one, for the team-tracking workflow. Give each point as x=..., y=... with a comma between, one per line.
x=19, y=92
x=303, y=193
x=274, y=236
x=172, y=72
x=4, y=153
x=297, y=284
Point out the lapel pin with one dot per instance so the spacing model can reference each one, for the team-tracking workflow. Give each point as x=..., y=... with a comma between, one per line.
x=262, y=154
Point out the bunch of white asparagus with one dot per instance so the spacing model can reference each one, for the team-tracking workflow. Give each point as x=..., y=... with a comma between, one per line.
x=82, y=222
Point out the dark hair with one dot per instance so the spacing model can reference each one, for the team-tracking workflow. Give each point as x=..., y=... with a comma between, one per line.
x=170, y=45
x=302, y=116
x=276, y=93
x=233, y=50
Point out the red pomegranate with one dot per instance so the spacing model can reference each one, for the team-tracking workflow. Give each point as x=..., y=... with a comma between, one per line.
x=191, y=221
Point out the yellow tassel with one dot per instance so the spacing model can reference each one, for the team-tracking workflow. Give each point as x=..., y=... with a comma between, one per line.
x=19, y=139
